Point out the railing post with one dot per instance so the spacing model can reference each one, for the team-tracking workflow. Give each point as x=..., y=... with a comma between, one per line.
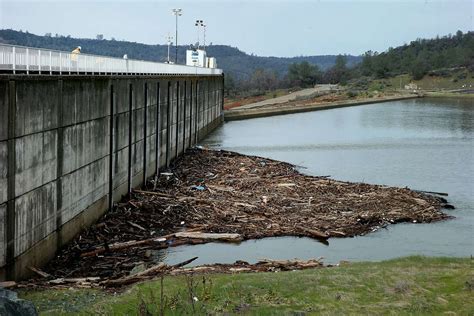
x=60, y=63
x=14, y=60
x=27, y=61
x=50, y=63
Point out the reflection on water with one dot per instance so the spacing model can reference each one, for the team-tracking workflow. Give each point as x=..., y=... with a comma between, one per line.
x=425, y=144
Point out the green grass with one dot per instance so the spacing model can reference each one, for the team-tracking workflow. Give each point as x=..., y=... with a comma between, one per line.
x=405, y=286
x=456, y=80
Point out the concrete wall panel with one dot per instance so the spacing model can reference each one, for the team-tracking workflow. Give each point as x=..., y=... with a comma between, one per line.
x=121, y=89
x=137, y=157
x=138, y=125
x=121, y=122
x=3, y=172
x=151, y=120
x=82, y=188
x=35, y=161
x=4, y=96
x=151, y=154
x=36, y=106
x=120, y=168
x=84, y=143
x=85, y=100
x=35, y=217
x=3, y=230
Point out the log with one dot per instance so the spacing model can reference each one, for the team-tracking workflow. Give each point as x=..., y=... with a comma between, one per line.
x=154, y=193
x=73, y=280
x=183, y=263
x=161, y=267
x=7, y=284
x=136, y=277
x=132, y=243
x=316, y=234
x=210, y=236
x=40, y=273
x=432, y=192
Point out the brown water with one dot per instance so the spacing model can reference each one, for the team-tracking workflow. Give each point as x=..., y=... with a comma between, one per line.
x=425, y=144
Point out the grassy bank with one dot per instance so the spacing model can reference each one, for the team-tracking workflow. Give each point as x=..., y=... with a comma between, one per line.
x=413, y=285
x=450, y=80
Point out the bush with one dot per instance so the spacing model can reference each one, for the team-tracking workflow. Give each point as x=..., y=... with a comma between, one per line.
x=352, y=94
x=461, y=76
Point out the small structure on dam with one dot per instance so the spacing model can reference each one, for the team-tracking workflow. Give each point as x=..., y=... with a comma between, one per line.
x=79, y=132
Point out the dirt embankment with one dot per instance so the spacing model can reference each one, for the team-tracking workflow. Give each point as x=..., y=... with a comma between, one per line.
x=225, y=192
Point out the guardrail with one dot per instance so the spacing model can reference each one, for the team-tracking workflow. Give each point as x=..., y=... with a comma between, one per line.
x=20, y=59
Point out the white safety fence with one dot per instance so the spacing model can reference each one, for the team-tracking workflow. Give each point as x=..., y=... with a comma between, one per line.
x=19, y=59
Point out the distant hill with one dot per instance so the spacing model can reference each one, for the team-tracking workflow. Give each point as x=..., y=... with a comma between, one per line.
x=238, y=64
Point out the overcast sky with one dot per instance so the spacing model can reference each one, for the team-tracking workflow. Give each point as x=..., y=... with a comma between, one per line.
x=262, y=27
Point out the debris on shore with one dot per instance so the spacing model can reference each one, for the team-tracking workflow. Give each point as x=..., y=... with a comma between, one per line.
x=219, y=195
x=161, y=269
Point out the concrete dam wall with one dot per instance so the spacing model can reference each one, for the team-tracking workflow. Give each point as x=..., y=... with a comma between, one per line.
x=70, y=146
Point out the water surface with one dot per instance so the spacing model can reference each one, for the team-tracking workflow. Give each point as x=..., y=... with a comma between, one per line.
x=425, y=144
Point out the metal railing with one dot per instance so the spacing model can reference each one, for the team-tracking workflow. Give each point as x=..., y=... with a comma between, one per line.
x=20, y=59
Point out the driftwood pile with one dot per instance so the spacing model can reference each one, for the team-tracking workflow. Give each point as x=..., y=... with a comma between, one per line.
x=219, y=195
x=161, y=269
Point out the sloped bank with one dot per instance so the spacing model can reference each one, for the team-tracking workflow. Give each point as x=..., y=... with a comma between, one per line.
x=225, y=192
x=295, y=107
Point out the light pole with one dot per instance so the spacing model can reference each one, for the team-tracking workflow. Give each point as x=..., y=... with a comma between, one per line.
x=169, y=42
x=177, y=13
x=199, y=23
x=204, y=40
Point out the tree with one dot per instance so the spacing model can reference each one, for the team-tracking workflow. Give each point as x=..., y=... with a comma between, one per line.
x=304, y=74
x=419, y=69
x=229, y=84
x=339, y=73
x=263, y=80
x=99, y=37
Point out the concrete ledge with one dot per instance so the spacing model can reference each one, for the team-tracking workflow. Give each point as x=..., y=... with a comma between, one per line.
x=235, y=115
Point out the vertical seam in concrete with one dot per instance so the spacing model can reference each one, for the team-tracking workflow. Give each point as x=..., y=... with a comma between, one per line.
x=157, y=130
x=209, y=104
x=145, y=117
x=111, y=148
x=185, y=104
x=177, y=121
x=168, y=128
x=191, y=113
x=196, y=126
x=59, y=161
x=222, y=95
x=130, y=121
x=11, y=158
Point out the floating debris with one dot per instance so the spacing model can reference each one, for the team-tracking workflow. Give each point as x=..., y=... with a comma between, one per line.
x=246, y=197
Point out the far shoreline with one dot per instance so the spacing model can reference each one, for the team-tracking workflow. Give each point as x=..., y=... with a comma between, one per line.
x=237, y=114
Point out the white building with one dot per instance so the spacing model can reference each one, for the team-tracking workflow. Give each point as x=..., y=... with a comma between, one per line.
x=198, y=58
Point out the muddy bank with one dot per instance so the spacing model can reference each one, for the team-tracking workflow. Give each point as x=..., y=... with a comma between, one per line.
x=249, y=197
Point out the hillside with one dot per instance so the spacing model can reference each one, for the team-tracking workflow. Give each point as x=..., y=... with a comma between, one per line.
x=421, y=56
x=236, y=63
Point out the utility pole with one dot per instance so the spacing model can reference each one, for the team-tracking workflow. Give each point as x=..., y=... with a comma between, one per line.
x=177, y=13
